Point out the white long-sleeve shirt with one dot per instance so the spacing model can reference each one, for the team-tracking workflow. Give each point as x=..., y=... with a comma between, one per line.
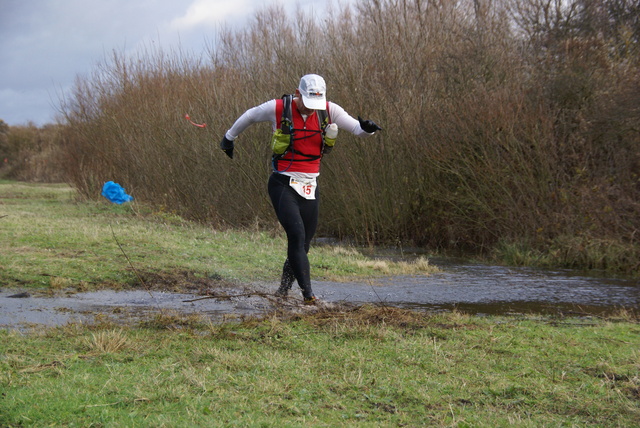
x=266, y=112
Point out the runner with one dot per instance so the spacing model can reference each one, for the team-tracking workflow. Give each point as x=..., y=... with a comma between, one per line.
x=304, y=129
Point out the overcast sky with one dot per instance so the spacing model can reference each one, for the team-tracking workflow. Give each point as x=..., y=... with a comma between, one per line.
x=45, y=44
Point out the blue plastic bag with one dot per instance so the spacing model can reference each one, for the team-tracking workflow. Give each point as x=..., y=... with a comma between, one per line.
x=115, y=193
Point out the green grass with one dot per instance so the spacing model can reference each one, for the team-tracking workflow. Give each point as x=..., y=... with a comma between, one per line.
x=368, y=367
x=50, y=238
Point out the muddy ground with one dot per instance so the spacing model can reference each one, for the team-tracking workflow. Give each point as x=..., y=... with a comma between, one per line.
x=471, y=288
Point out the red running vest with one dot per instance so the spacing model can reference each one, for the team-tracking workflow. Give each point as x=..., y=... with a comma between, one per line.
x=307, y=142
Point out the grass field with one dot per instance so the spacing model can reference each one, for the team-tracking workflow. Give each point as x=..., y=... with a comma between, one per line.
x=362, y=366
x=367, y=367
x=49, y=238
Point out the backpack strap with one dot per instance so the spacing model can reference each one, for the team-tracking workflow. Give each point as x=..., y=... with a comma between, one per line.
x=283, y=110
x=324, y=117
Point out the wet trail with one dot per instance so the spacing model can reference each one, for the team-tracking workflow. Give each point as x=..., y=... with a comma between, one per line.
x=488, y=289
x=473, y=288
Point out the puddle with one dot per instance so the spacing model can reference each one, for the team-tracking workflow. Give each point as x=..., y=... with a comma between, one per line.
x=127, y=307
x=487, y=289
x=473, y=288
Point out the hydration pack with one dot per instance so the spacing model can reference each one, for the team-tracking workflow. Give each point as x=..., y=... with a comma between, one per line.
x=284, y=136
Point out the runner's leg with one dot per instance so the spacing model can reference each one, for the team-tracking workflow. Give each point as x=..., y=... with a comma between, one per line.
x=286, y=281
x=290, y=208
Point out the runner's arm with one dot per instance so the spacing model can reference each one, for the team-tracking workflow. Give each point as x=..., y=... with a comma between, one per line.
x=344, y=121
x=265, y=112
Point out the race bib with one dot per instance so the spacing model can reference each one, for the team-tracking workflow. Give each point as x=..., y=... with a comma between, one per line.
x=305, y=187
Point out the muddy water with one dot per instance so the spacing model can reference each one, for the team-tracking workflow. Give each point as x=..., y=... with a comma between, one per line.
x=494, y=290
x=125, y=307
x=470, y=287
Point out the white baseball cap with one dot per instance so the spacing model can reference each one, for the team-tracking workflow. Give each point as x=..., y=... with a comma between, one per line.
x=313, y=91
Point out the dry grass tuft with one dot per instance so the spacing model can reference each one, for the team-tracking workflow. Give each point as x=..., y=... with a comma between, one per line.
x=107, y=342
x=419, y=266
x=345, y=251
x=379, y=265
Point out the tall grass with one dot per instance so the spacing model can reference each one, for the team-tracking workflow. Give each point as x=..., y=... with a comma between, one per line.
x=503, y=122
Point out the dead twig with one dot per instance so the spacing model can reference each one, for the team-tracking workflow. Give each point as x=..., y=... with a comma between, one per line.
x=144, y=284
x=228, y=296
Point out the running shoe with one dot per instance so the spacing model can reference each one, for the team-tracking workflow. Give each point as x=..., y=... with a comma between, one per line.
x=310, y=300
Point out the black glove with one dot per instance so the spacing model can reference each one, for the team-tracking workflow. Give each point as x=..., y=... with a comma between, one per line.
x=368, y=125
x=227, y=146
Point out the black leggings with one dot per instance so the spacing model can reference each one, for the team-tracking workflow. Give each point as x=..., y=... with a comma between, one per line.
x=299, y=218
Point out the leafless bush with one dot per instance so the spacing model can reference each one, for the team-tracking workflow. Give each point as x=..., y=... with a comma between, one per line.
x=502, y=121
x=31, y=153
